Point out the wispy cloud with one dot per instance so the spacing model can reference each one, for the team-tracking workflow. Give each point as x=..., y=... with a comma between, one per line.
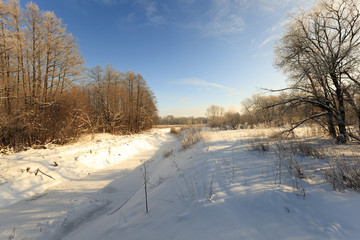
x=224, y=17
x=147, y=9
x=153, y=15
x=108, y=2
x=126, y=21
x=269, y=39
x=273, y=5
x=151, y=11
x=279, y=5
x=211, y=19
x=203, y=83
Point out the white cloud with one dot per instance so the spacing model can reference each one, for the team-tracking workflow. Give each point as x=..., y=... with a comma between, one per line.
x=203, y=83
x=223, y=18
x=269, y=39
x=188, y=2
x=107, y=2
x=153, y=16
x=226, y=17
x=126, y=21
x=273, y=5
x=279, y=5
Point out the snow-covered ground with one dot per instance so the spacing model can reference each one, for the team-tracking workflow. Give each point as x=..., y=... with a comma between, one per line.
x=216, y=189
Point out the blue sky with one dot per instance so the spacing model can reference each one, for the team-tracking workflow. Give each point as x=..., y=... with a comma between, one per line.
x=192, y=53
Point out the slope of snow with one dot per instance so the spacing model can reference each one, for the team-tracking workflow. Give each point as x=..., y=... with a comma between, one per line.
x=216, y=189
x=17, y=171
x=220, y=190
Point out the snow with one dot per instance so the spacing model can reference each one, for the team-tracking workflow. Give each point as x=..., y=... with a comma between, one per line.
x=74, y=162
x=216, y=189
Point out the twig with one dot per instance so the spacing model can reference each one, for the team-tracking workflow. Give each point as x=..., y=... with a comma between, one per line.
x=12, y=236
x=38, y=170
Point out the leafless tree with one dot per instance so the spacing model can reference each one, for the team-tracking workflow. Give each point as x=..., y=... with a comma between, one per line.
x=232, y=119
x=215, y=115
x=320, y=53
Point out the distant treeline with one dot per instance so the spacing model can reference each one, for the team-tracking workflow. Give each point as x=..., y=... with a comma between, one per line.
x=171, y=120
x=41, y=99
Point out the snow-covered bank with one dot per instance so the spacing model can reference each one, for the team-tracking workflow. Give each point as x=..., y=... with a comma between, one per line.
x=20, y=178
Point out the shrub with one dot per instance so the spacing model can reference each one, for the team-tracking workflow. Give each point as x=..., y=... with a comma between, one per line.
x=307, y=149
x=259, y=145
x=190, y=137
x=173, y=130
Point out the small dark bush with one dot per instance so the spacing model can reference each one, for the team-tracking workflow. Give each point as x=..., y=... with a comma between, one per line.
x=259, y=146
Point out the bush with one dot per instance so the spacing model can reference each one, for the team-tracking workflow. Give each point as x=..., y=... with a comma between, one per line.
x=58, y=122
x=173, y=130
x=190, y=137
x=307, y=149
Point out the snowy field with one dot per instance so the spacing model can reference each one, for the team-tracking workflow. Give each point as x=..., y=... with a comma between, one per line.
x=218, y=188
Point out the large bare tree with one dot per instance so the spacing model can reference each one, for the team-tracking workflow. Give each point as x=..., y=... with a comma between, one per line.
x=320, y=53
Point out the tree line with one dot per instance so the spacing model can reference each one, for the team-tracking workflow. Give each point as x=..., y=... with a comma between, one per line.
x=41, y=98
x=171, y=120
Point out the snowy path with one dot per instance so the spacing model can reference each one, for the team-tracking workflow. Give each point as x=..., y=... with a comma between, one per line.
x=61, y=209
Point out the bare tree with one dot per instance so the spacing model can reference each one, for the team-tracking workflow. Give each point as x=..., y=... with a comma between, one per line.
x=320, y=53
x=232, y=119
x=215, y=115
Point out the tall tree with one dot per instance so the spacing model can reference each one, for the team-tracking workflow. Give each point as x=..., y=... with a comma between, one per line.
x=320, y=53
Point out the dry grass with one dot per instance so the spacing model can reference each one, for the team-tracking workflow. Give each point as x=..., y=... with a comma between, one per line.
x=292, y=160
x=308, y=150
x=343, y=173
